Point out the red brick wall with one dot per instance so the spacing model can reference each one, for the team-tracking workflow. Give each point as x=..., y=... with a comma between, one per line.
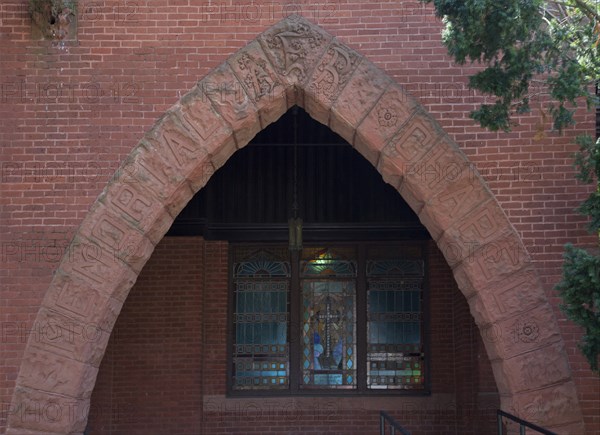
x=165, y=368
x=150, y=380
x=69, y=114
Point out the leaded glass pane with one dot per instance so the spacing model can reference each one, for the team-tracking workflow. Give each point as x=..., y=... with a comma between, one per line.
x=403, y=267
x=328, y=334
x=261, y=321
x=337, y=262
x=394, y=323
x=262, y=264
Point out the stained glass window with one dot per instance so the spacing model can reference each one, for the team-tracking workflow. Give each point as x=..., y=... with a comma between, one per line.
x=395, y=357
x=339, y=299
x=328, y=262
x=261, y=319
x=328, y=334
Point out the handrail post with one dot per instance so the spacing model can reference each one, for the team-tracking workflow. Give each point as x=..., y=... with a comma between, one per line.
x=523, y=425
x=387, y=420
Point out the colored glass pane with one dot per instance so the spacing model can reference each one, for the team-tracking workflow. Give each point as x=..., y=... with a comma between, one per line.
x=394, y=322
x=329, y=334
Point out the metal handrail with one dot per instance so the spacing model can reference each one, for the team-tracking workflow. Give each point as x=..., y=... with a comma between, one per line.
x=393, y=424
x=522, y=424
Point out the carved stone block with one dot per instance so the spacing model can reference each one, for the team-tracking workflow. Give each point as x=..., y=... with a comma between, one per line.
x=145, y=166
x=99, y=268
x=202, y=121
x=537, y=369
x=357, y=99
x=68, y=337
x=456, y=200
x=21, y=431
x=125, y=242
x=232, y=102
x=179, y=199
x=50, y=372
x=138, y=206
x=392, y=111
x=524, y=333
x=176, y=143
x=329, y=79
x=428, y=173
x=294, y=46
x=479, y=226
x=519, y=292
x=391, y=174
x=549, y=406
x=45, y=412
x=494, y=261
x=79, y=300
x=463, y=282
x=262, y=84
x=412, y=142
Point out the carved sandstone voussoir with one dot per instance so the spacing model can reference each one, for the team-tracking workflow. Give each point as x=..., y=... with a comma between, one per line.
x=49, y=372
x=392, y=111
x=481, y=315
x=138, y=206
x=358, y=97
x=201, y=120
x=438, y=166
x=517, y=293
x=179, y=199
x=479, y=226
x=540, y=368
x=232, y=102
x=262, y=84
x=176, y=142
x=495, y=261
x=68, y=337
x=294, y=46
x=21, y=431
x=412, y=142
x=99, y=268
x=48, y=413
x=520, y=334
x=390, y=174
x=451, y=204
x=549, y=406
x=568, y=429
x=329, y=79
x=110, y=231
x=145, y=166
x=79, y=300
x=463, y=282
x=139, y=188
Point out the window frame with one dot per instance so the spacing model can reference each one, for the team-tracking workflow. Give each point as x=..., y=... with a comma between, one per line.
x=294, y=326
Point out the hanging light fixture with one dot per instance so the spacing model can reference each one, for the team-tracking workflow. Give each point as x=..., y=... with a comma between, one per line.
x=295, y=222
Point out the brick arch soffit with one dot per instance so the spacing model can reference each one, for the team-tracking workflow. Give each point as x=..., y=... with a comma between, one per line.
x=294, y=62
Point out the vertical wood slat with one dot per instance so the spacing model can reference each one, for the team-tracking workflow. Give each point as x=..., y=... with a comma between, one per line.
x=335, y=183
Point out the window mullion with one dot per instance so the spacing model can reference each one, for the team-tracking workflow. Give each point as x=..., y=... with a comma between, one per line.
x=294, y=328
x=361, y=320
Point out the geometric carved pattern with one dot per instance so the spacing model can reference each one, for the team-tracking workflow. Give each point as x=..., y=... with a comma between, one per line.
x=386, y=124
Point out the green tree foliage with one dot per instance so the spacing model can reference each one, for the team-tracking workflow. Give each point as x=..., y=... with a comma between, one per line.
x=550, y=45
x=580, y=292
x=525, y=44
x=580, y=284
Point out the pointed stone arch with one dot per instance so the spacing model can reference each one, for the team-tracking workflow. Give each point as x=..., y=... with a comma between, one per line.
x=293, y=62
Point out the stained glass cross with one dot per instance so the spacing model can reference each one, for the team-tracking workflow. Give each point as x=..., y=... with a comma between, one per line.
x=329, y=317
